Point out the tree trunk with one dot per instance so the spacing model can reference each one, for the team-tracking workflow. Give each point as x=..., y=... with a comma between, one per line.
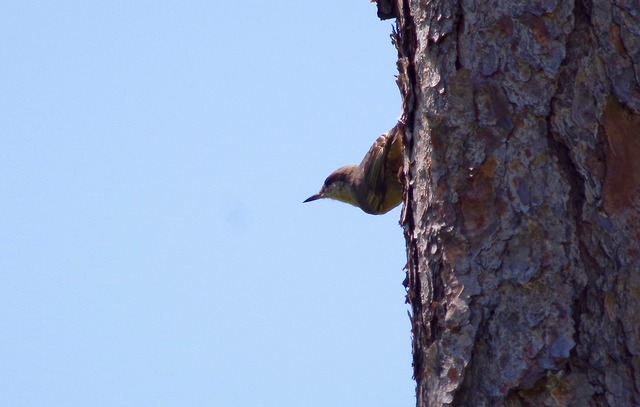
x=522, y=201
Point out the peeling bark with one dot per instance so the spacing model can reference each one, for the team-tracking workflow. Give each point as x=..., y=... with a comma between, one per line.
x=522, y=200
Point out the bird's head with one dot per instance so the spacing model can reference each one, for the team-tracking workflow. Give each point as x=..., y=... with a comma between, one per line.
x=339, y=185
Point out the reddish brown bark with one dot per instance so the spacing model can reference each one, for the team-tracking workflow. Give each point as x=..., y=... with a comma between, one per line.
x=522, y=204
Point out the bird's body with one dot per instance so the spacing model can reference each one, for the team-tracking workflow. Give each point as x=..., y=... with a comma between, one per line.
x=372, y=185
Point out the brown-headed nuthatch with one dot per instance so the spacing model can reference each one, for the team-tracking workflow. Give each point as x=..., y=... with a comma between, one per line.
x=373, y=185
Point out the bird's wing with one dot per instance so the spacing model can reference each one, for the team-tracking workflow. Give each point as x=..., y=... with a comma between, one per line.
x=373, y=165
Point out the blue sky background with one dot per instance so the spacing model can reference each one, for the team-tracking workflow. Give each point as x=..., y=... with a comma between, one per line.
x=154, y=248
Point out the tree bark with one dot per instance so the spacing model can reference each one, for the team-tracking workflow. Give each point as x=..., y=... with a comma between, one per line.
x=522, y=200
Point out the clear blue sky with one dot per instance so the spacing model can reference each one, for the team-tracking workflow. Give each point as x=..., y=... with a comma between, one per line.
x=154, y=248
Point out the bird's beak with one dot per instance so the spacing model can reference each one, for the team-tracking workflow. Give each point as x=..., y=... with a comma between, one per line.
x=313, y=198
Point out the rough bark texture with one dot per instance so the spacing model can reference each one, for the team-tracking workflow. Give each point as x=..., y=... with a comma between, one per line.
x=522, y=204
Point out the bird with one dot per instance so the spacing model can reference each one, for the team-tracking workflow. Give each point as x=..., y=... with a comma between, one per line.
x=374, y=184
